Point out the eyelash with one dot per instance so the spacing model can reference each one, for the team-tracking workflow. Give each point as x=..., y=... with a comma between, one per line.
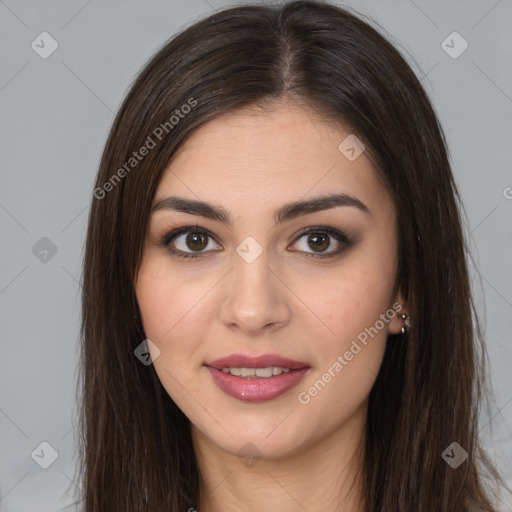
x=339, y=236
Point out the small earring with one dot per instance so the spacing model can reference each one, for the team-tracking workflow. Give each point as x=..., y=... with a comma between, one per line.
x=406, y=323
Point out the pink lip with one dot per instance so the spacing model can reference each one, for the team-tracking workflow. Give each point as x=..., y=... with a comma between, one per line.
x=255, y=389
x=263, y=361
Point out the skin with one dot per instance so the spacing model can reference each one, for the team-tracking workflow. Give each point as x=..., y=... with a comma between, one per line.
x=306, y=456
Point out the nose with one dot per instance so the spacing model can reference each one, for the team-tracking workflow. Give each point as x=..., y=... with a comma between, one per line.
x=255, y=300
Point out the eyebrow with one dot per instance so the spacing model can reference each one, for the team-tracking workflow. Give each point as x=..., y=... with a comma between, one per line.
x=287, y=212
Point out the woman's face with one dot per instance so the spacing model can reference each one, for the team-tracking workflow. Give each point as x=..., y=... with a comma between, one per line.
x=315, y=308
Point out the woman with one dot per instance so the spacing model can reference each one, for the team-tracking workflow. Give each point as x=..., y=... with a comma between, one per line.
x=276, y=310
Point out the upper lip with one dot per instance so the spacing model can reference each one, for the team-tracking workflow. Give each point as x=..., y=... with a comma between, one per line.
x=262, y=361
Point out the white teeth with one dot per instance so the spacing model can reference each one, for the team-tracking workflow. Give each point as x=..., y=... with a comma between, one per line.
x=247, y=372
x=264, y=373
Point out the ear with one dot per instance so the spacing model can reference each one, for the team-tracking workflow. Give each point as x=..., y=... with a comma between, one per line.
x=398, y=305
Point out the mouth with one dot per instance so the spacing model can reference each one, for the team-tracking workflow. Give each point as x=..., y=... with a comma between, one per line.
x=256, y=379
x=256, y=362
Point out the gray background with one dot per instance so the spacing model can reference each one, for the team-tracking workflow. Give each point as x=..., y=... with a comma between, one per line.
x=55, y=116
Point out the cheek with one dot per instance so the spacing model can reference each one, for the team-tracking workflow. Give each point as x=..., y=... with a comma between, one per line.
x=172, y=321
x=349, y=353
x=347, y=302
x=348, y=359
x=357, y=336
x=170, y=306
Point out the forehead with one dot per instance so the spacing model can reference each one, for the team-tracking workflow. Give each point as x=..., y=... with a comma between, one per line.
x=249, y=157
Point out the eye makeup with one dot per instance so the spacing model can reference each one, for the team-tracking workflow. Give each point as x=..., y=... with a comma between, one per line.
x=321, y=233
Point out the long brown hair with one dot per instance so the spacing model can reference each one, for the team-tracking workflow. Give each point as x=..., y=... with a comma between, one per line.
x=135, y=446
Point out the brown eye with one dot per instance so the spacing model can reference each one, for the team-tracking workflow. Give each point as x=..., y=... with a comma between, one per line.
x=318, y=242
x=196, y=241
x=187, y=240
x=191, y=241
x=318, y=239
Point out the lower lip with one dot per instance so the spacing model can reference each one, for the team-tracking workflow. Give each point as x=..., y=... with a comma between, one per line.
x=256, y=390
